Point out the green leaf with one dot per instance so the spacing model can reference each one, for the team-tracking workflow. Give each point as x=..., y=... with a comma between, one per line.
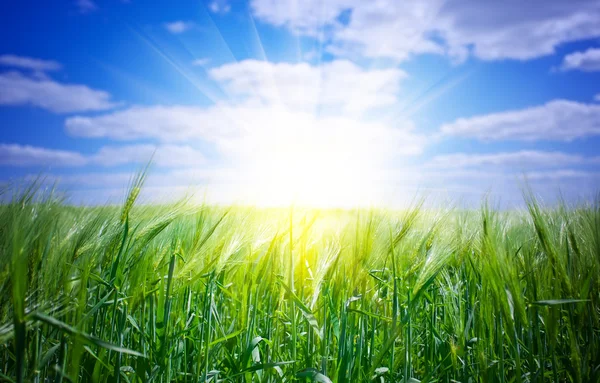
x=306, y=312
x=553, y=302
x=250, y=349
x=313, y=374
x=62, y=326
x=226, y=337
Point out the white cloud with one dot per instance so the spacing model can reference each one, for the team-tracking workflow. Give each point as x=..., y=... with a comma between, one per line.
x=236, y=128
x=565, y=175
x=516, y=29
x=339, y=85
x=375, y=29
x=165, y=123
x=19, y=89
x=219, y=6
x=304, y=17
x=391, y=29
x=588, y=61
x=107, y=156
x=293, y=91
x=29, y=63
x=519, y=161
x=163, y=155
x=178, y=27
x=558, y=120
x=491, y=30
x=25, y=155
x=86, y=6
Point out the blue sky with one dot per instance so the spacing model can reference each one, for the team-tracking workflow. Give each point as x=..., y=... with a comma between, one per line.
x=336, y=102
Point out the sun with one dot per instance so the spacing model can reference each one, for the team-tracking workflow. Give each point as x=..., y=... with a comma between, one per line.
x=304, y=160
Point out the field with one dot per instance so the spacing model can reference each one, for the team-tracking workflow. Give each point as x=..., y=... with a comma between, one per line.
x=185, y=293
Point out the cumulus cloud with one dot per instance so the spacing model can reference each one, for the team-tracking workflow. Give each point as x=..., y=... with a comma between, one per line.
x=520, y=160
x=29, y=63
x=518, y=30
x=238, y=128
x=179, y=26
x=340, y=85
x=163, y=155
x=490, y=30
x=19, y=89
x=587, y=61
x=557, y=120
x=107, y=156
x=164, y=123
x=304, y=17
x=374, y=29
x=25, y=155
x=263, y=95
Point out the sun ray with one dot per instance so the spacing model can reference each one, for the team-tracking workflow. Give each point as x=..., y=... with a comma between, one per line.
x=446, y=83
x=202, y=88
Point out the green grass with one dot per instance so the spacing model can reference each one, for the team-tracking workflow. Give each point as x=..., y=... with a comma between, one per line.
x=185, y=293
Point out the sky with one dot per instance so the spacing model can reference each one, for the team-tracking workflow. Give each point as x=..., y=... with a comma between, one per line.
x=326, y=103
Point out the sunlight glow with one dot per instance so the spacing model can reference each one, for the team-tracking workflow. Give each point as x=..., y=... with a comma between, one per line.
x=299, y=159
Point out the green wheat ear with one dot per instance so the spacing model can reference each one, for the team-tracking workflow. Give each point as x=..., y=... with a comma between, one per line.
x=134, y=190
x=131, y=197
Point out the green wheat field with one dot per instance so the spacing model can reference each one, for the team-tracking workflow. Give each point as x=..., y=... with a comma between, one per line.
x=200, y=293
